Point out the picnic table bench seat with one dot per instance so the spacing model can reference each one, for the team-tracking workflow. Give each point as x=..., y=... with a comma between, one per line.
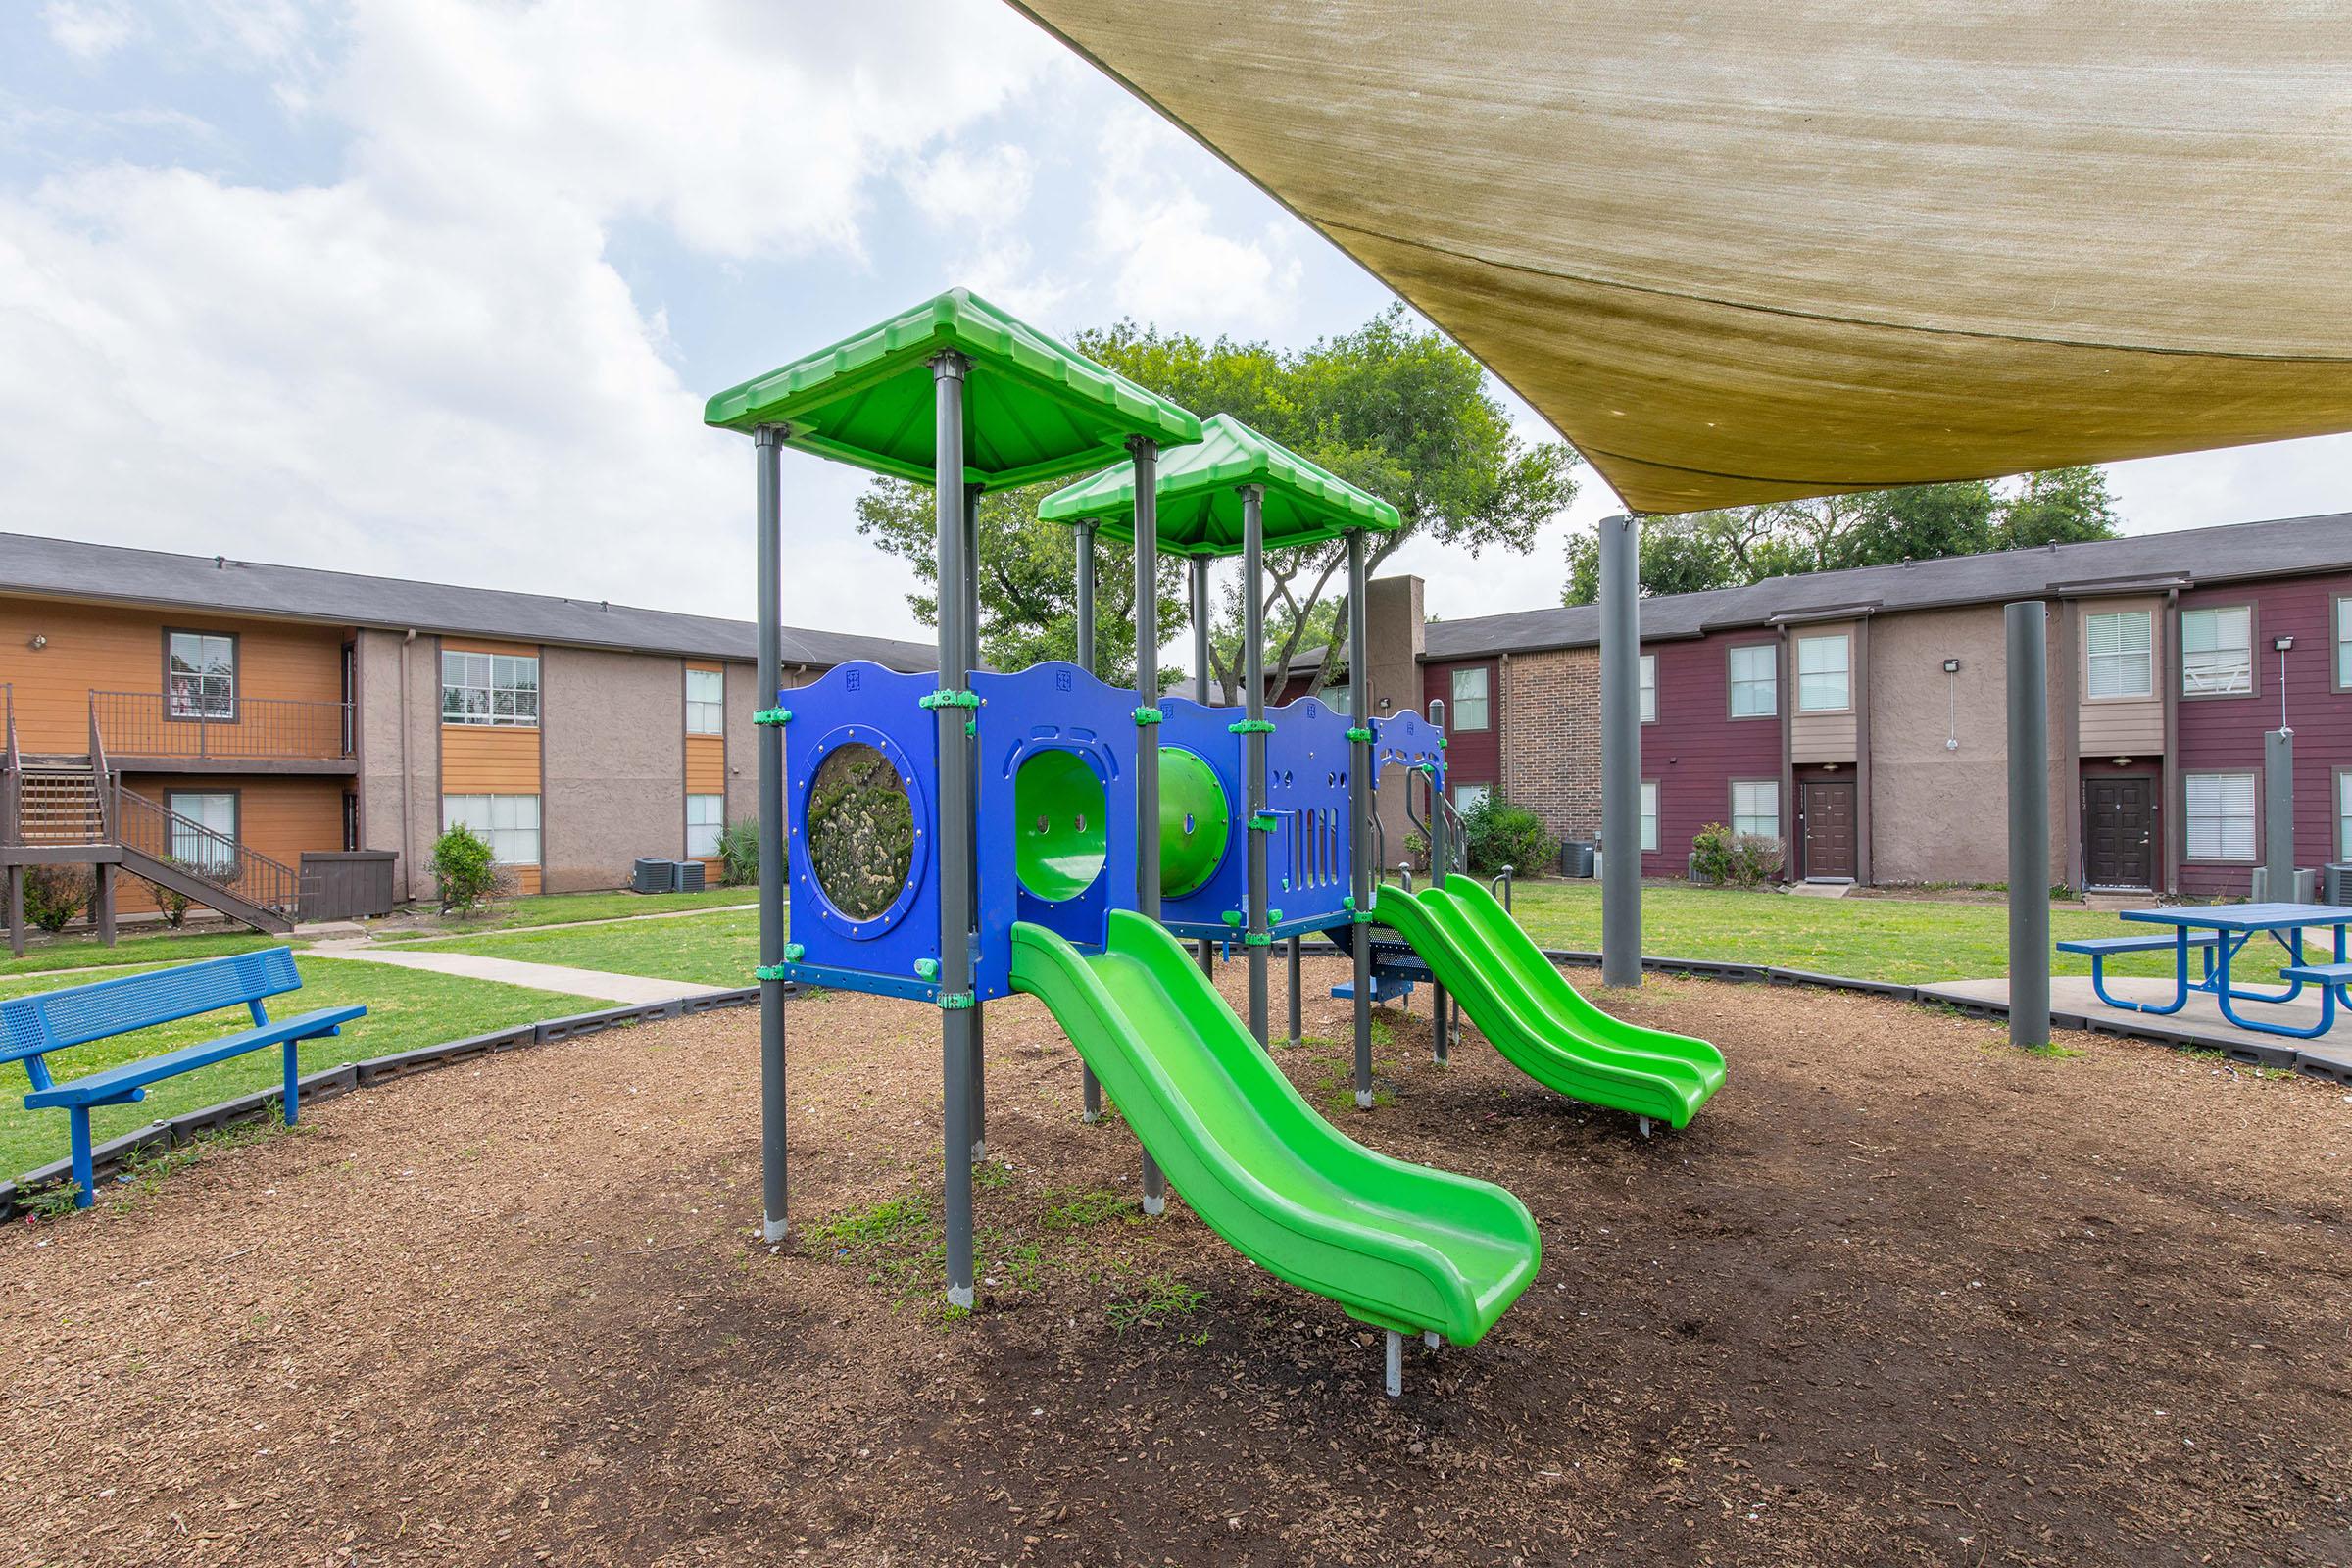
x=2326, y=974
x=30, y=1027
x=2110, y=947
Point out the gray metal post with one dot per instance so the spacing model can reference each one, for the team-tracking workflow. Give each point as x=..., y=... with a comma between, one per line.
x=1089, y=1088
x=1205, y=949
x=1442, y=852
x=768, y=553
x=971, y=661
x=1359, y=808
x=1254, y=820
x=1620, y=754
x=2279, y=813
x=1146, y=455
x=953, y=837
x=2028, y=627
x=1293, y=947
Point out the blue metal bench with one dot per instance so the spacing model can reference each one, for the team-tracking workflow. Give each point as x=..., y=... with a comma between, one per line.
x=32, y=1026
x=2101, y=948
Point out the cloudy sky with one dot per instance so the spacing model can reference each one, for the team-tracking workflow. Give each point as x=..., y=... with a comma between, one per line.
x=436, y=289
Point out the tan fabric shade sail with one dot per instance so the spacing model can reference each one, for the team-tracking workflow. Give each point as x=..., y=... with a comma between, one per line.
x=1746, y=250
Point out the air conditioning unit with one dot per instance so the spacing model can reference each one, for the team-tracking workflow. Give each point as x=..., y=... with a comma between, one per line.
x=2335, y=883
x=686, y=877
x=2306, y=889
x=653, y=876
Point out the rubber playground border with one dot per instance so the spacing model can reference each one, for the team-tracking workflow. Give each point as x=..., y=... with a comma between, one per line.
x=109, y=1158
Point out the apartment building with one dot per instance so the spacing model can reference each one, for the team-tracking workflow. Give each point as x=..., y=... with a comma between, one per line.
x=212, y=724
x=1860, y=716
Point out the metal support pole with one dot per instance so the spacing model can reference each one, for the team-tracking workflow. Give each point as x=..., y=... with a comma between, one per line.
x=106, y=904
x=1294, y=955
x=768, y=450
x=1146, y=456
x=971, y=661
x=1204, y=949
x=1443, y=852
x=2279, y=813
x=2028, y=627
x=1253, y=750
x=1392, y=1380
x=1620, y=754
x=1359, y=810
x=954, y=839
x=1089, y=1086
x=16, y=910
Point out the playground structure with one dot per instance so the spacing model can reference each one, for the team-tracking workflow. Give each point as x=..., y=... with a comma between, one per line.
x=970, y=834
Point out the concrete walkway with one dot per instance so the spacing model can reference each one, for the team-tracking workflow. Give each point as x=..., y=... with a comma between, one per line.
x=628, y=989
x=2202, y=1016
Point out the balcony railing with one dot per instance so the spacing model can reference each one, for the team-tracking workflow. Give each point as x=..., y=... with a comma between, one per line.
x=144, y=724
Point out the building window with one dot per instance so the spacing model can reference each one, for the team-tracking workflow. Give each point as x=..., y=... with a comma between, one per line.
x=2220, y=815
x=1822, y=683
x=1756, y=808
x=1650, y=688
x=490, y=688
x=1469, y=708
x=2343, y=644
x=1336, y=696
x=1649, y=816
x=200, y=674
x=1468, y=798
x=2118, y=644
x=706, y=816
x=2343, y=815
x=705, y=703
x=2217, y=652
x=1756, y=681
x=205, y=836
x=510, y=823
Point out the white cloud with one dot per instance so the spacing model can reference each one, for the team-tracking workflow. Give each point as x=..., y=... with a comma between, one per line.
x=1161, y=235
x=90, y=30
x=965, y=189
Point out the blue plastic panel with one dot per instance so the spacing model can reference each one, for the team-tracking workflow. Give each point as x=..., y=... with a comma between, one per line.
x=1206, y=731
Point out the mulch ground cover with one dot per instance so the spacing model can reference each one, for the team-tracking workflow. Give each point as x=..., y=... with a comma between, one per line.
x=1900, y=1295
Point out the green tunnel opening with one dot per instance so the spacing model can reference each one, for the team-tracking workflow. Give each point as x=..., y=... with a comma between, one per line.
x=1058, y=804
x=1193, y=821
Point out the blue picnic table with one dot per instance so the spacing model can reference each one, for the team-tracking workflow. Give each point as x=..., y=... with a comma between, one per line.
x=2220, y=933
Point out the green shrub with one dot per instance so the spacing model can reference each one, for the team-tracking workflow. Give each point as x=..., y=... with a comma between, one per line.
x=739, y=851
x=174, y=904
x=1502, y=834
x=465, y=877
x=1735, y=859
x=55, y=894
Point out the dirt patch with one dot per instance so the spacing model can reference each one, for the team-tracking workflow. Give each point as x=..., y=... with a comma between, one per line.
x=1901, y=1296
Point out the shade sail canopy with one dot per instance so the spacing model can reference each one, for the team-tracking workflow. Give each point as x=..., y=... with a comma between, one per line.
x=1746, y=250
x=1201, y=499
x=1035, y=409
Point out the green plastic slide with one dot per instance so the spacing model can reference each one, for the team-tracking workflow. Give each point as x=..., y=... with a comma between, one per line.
x=1400, y=1247
x=1540, y=1022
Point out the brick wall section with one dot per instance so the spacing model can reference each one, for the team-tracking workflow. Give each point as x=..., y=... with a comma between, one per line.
x=1551, y=738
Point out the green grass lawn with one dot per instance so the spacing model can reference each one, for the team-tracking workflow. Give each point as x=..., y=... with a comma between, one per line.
x=1911, y=941
x=404, y=1009
x=569, y=909
x=712, y=950
x=158, y=947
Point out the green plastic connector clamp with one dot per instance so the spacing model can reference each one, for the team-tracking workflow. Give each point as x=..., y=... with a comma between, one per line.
x=1274, y=915
x=1251, y=726
x=971, y=726
x=1146, y=715
x=772, y=715
x=1347, y=901
x=1431, y=769
x=1359, y=733
x=927, y=968
x=771, y=971
x=951, y=699
x=1441, y=743
x=1263, y=821
x=1232, y=917
x=957, y=1000
x=1257, y=939
x=793, y=952
x=1366, y=917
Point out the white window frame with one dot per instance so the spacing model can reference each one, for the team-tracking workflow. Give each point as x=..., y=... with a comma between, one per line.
x=2220, y=670
x=1770, y=681
x=2123, y=658
x=1468, y=798
x=705, y=819
x=204, y=689
x=2201, y=796
x=1650, y=688
x=484, y=684
x=2344, y=814
x=707, y=715
x=1761, y=807
x=513, y=842
x=198, y=806
x=1457, y=710
x=1843, y=670
x=2343, y=643
x=1649, y=816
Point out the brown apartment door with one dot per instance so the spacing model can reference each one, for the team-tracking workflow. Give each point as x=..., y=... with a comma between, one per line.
x=2118, y=831
x=1825, y=806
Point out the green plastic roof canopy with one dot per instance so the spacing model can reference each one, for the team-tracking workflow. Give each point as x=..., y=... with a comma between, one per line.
x=1035, y=409
x=1200, y=506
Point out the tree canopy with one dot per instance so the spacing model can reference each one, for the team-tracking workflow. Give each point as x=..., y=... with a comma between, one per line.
x=1392, y=408
x=1740, y=545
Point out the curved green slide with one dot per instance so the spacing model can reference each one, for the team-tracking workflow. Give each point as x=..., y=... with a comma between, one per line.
x=1540, y=1022
x=1400, y=1247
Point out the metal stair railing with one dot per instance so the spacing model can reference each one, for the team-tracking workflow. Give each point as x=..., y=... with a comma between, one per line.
x=11, y=765
x=207, y=854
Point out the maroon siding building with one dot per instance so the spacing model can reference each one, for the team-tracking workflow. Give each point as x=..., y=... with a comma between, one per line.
x=1695, y=750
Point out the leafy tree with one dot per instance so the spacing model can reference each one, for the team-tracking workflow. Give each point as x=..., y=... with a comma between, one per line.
x=1392, y=408
x=1868, y=528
